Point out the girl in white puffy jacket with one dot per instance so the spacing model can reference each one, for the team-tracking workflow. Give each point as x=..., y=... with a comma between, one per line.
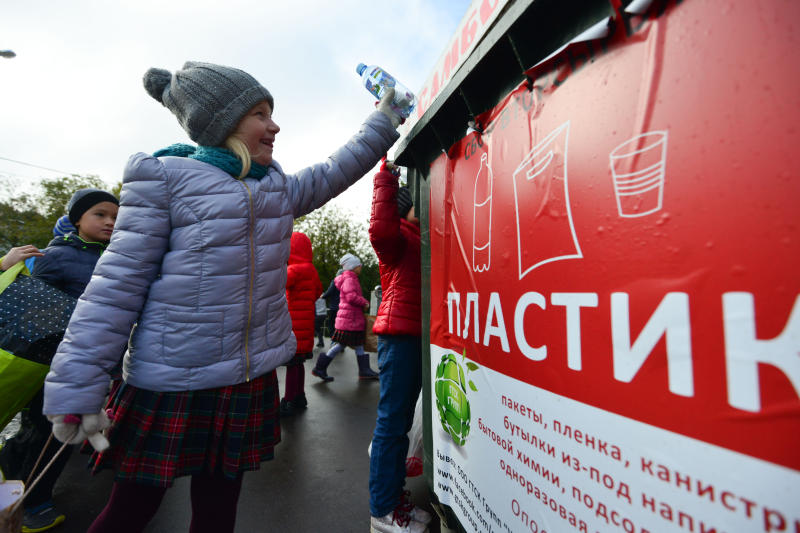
x=198, y=263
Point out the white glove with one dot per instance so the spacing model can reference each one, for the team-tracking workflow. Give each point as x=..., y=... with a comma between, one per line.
x=74, y=429
x=385, y=107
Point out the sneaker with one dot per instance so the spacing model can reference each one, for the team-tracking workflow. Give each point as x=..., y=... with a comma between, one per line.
x=41, y=518
x=398, y=521
x=416, y=513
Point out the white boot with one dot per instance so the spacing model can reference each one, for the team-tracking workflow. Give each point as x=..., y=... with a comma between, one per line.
x=416, y=513
x=398, y=521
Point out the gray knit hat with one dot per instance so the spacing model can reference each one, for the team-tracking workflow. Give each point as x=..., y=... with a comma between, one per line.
x=349, y=262
x=209, y=100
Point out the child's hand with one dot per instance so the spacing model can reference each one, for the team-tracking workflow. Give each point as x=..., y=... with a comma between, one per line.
x=389, y=166
x=74, y=429
x=19, y=253
x=385, y=107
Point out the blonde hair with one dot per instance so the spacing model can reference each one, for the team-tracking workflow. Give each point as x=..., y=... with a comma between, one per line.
x=239, y=149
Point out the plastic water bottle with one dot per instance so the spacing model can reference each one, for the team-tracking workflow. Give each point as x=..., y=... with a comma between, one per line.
x=376, y=80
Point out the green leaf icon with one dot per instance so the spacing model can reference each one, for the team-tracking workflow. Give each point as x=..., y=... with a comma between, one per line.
x=451, y=399
x=472, y=366
x=472, y=386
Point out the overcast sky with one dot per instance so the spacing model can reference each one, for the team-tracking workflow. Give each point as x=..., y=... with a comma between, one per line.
x=73, y=100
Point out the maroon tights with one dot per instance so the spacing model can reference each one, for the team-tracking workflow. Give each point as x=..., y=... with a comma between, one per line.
x=295, y=375
x=131, y=506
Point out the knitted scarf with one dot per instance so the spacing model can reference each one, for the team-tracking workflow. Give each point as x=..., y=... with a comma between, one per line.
x=221, y=158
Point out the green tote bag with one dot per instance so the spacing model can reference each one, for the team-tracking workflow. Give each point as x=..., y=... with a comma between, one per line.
x=33, y=318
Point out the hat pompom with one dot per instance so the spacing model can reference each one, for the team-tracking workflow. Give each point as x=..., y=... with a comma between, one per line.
x=155, y=81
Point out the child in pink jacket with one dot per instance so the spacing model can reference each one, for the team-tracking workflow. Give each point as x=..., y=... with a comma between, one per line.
x=350, y=321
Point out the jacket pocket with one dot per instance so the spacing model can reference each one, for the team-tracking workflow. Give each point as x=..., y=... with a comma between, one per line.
x=279, y=323
x=192, y=339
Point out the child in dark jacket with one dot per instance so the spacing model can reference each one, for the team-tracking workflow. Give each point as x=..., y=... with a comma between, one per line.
x=303, y=287
x=67, y=264
x=350, y=322
x=69, y=261
x=332, y=300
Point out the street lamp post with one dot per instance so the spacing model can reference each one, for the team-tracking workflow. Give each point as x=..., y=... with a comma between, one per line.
x=7, y=54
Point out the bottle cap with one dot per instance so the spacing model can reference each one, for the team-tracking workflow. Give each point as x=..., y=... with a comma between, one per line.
x=361, y=68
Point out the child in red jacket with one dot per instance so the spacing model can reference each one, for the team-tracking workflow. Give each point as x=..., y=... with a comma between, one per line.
x=303, y=287
x=395, y=236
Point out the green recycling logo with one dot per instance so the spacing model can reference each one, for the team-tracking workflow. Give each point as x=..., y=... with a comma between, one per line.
x=451, y=396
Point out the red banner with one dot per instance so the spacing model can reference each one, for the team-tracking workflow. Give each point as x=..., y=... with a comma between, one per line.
x=625, y=232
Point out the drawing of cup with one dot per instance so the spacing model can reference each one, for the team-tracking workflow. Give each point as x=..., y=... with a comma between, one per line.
x=638, y=166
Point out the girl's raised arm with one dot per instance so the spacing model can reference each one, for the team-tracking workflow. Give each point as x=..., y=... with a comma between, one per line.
x=317, y=184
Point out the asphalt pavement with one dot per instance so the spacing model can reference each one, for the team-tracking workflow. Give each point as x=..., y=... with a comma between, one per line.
x=318, y=481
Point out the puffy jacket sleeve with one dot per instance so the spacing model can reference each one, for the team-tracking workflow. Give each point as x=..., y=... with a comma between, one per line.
x=291, y=276
x=47, y=269
x=351, y=293
x=328, y=293
x=384, y=222
x=312, y=187
x=100, y=326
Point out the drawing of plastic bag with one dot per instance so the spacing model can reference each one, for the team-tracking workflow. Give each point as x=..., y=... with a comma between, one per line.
x=545, y=230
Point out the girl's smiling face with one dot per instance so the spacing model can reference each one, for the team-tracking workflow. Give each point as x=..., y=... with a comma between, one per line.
x=257, y=130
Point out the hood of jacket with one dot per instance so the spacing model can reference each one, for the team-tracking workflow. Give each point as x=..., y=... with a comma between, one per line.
x=339, y=281
x=300, y=249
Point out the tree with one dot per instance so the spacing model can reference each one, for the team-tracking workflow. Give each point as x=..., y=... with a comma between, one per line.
x=116, y=190
x=333, y=233
x=28, y=217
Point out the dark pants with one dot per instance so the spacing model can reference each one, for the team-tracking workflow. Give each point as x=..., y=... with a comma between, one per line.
x=400, y=367
x=20, y=452
x=319, y=327
x=132, y=505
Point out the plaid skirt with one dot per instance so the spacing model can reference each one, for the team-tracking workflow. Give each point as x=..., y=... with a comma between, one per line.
x=348, y=338
x=159, y=436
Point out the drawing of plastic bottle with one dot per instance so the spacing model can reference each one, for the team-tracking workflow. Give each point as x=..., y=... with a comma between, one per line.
x=482, y=218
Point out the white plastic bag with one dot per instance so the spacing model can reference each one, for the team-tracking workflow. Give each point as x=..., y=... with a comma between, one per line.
x=415, y=448
x=10, y=508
